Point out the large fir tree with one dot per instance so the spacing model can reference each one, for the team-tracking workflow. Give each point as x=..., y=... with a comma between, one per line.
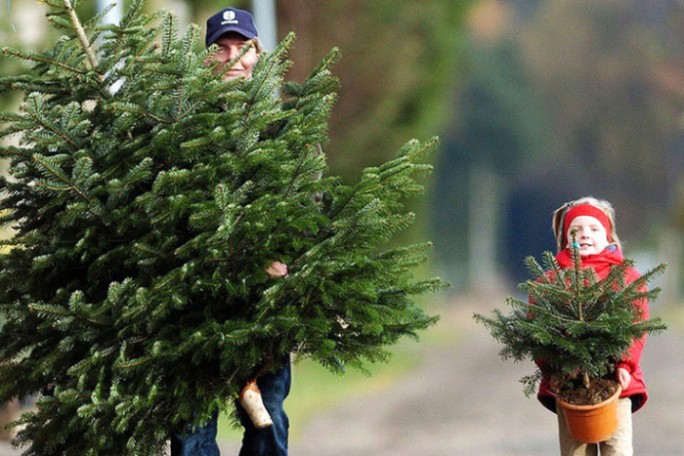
x=148, y=196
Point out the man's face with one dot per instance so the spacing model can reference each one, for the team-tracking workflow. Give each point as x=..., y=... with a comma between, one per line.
x=229, y=47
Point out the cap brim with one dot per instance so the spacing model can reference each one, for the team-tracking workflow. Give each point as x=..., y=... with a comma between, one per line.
x=227, y=29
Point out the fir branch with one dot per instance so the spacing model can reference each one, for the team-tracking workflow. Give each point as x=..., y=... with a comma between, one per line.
x=36, y=113
x=40, y=58
x=135, y=109
x=80, y=33
x=168, y=36
x=54, y=170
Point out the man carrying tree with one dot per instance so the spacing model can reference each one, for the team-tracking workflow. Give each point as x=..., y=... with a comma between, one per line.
x=234, y=33
x=146, y=220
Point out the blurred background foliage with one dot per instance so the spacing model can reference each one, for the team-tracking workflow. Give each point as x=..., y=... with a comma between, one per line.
x=536, y=102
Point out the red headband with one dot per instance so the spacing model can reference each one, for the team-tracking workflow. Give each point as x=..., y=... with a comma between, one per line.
x=590, y=210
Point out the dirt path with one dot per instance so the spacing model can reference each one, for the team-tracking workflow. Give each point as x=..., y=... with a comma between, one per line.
x=465, y=400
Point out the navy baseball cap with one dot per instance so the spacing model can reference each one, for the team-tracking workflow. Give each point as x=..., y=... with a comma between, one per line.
x=230, y=20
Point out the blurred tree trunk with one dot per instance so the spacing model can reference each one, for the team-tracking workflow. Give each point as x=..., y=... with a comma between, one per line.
x=485, y=197
x=671, y=252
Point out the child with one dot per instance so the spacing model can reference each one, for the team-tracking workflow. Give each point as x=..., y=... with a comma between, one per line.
x=592, y=222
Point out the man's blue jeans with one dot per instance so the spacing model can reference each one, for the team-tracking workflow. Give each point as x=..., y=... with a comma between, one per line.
x=270, y=441
x=198, y=441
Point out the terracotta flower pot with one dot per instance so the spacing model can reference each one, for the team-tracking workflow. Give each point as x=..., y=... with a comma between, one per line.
x=591, y=423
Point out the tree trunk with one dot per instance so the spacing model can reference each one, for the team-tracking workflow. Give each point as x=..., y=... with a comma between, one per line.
x=483, y=221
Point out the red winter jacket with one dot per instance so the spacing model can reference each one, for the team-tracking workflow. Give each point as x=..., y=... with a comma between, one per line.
x=601, y=263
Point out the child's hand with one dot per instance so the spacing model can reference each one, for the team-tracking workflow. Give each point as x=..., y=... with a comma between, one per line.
x=276, y=269
x=624, y=377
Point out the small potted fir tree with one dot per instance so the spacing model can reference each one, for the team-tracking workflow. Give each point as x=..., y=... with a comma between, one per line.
x=576, y=328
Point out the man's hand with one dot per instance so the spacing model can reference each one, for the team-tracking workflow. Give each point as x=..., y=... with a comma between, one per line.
x=276, y=269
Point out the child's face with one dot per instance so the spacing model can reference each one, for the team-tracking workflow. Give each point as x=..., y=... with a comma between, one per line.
x=590, y=234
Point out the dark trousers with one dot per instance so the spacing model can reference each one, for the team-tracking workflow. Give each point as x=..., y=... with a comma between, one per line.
x=270, y=441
